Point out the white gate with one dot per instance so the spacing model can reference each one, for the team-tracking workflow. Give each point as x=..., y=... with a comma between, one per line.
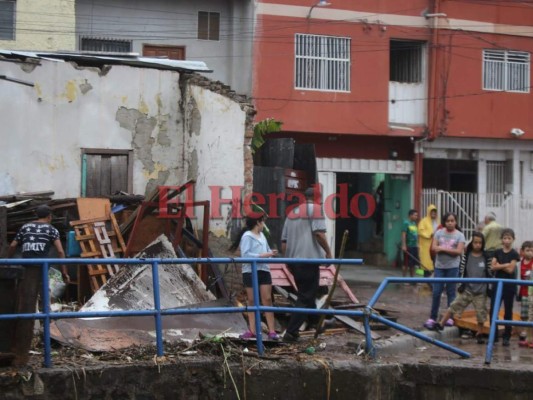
x=464, y=205
x=328, y=181
x=515, y=212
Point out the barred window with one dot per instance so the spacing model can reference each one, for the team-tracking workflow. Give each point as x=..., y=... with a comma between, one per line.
x=7, y=19
x=322, y=63
x=105, y=45
x=506, y=70
x=406, y=61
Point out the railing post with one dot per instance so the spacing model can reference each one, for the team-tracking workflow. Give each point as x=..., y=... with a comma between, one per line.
x=257, y=312
x=493, y=319
x=46, y=312
x=157, y=307
x=369, y=346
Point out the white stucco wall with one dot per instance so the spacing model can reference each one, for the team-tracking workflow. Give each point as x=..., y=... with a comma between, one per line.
x=44, y=129
x=216, y=139
x=43, y=25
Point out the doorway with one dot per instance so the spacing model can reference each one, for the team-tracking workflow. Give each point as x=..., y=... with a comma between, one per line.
x=374, y=234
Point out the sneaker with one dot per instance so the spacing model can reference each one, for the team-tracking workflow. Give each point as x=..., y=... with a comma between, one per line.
x=449, y=322
x=247, y=335
x=480, y=339
x=506, y=342
x=430, y=324
x=438, y=327
x=273, y=336
x=523, y=343
x=290, y=338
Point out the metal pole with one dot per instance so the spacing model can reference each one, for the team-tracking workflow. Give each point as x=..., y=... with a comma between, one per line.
x=494, y=321
x=369, y=347
x=257, y=311
x=419, y=335
x=157, y=307
x=378, y=292
x=46, y=320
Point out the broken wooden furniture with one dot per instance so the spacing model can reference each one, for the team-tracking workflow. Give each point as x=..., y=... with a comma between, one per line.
x=99, y=238
x=283, y=279
x=281, y=276
x=165, y=213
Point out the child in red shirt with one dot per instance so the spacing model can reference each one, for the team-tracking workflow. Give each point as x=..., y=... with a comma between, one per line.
x=525, y=294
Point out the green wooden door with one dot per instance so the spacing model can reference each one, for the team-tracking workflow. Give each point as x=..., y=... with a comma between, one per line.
x=397, y=195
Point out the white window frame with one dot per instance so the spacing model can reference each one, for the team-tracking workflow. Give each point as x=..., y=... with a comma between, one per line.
x=322, y=63
x=5, y=35
x=502, y=69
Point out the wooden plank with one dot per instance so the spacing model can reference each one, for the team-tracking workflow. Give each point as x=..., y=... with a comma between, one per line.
x=468, y=320
x=88, y=221
x=149, y=228
x=93, y=207
x=119, y=173
x=116, y=232
x=105, y=176
x=152, y=197
x=93, y=175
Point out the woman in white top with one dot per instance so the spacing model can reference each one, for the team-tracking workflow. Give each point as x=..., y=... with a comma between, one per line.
x=253, y=244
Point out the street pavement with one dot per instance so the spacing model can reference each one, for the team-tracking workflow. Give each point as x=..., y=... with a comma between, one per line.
x=411, y=303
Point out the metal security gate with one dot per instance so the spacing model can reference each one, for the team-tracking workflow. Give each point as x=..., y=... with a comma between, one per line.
x=512, y=211
x=462, y=204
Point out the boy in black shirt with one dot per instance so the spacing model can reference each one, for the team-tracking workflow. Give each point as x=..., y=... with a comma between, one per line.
x=504, y=266
x=36, y=238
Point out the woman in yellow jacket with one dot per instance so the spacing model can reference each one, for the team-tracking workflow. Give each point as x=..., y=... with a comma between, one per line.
x=426, y=228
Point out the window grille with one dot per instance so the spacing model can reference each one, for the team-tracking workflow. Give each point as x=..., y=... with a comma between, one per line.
x=105, y=45
x=208, y=25
x=322, y=63
x=506, y=70
x=496, y=176
x=7, y=19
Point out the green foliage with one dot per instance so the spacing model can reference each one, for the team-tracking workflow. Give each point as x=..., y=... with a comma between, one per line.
x=258, y=209
x=261, y=129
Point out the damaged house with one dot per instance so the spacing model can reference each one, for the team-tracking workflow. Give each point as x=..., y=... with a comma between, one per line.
x=92, y=126
x=87, y=126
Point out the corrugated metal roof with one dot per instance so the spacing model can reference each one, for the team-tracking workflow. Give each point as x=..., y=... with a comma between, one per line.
x=129, y=59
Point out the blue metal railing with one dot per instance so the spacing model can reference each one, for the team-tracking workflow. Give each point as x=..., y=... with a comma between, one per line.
x=493, y=318
x=367, y=313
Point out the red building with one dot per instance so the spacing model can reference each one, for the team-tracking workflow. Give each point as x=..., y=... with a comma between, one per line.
x=417, y=95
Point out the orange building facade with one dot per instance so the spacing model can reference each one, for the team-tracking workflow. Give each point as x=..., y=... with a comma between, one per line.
x=416, y=94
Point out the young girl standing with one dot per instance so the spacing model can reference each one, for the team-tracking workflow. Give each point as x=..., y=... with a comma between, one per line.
x=474, y=264
x=448, y=245
x=253, y=244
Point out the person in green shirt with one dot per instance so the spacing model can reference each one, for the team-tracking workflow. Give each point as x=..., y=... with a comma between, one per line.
x=492, y=232
x=410, y=244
